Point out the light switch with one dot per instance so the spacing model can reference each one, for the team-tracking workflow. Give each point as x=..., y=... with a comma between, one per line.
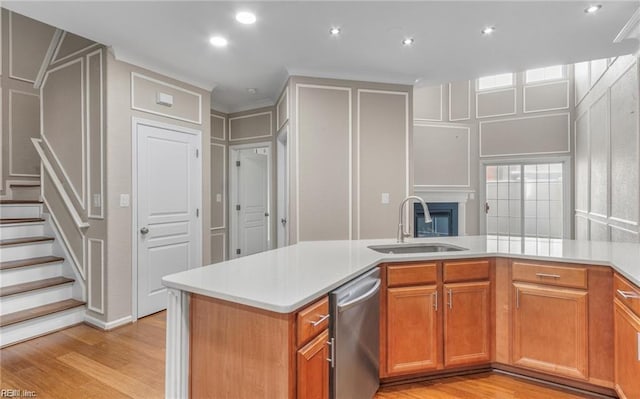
x=385, y=198
x=472, y=196
x=218, y=197
x=97, y=201
x=124, y=200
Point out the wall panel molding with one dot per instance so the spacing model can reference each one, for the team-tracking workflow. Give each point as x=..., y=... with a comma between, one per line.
x=224, y=185
x=12, y=172
x=90, y=193
x=486, y=93
x=284, y=99
x=56, y=52
x=531, y=87
x=452, y=119
x=99, y=248
x=224, y=127
x=78, y=194
x=231, y=138
x=468, y=156
x=177, y=89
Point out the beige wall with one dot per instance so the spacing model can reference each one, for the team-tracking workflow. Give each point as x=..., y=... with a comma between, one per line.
x=607, y=137
x=456, y=127
x=119, y=176
x=23, y=44
x=347, y=146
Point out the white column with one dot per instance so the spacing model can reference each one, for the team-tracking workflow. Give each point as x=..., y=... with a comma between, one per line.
x=177, y=356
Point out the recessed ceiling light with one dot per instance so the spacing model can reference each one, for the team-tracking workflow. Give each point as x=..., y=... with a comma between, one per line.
x=246, y=17
x=334, y=31
x=218, y=41
x=592, y=9
x=408, y=41
x=252, y=90
x=488, y=30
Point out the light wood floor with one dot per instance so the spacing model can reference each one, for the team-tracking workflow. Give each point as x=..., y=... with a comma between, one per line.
x=83, y=362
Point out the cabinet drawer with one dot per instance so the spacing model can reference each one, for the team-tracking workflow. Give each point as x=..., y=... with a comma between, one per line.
x=466, y=271
x=311, y=320
x=563, y=276
x=412, y=274
x=627, y=294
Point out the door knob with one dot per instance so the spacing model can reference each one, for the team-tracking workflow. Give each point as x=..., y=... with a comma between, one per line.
x=144, y=230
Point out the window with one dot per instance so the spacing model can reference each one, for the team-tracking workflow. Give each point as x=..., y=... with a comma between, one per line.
x=543, y=74
x=495, y=81
x=525, y=200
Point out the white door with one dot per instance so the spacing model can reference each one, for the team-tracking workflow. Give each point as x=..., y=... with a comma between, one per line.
x=168, y=198
x=253, y=201
x=283, y=190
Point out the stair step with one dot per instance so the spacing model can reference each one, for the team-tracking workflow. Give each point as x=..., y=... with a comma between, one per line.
x=24, y=240
x=24, y=185
x=20, y=220
x=40, y=260
x=44, y=310
x=20, y=202
x=34, y=285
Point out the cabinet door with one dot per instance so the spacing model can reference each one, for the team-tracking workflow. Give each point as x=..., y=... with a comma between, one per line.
x=550, y=329
x=313, y=369
x=412, y=334
x=467, y=323
x=627, y=352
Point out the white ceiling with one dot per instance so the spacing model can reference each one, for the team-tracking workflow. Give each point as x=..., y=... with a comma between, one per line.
x=291, y=38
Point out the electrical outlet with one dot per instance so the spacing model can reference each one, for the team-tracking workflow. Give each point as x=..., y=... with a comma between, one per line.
x=218, y=197
x=124, y=200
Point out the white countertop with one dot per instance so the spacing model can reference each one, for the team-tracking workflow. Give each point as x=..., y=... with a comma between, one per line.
x=285, y=279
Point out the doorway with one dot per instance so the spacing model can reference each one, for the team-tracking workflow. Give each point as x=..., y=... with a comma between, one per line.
x=167, y=198
x=283, y=187
x=250, y=199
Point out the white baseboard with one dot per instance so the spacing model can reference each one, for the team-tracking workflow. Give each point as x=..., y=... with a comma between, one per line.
x=110, y=325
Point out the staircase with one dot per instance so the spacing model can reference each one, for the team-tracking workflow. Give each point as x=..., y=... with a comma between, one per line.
x=39, y=292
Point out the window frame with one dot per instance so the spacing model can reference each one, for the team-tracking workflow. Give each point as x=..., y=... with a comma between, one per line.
x=487, y=89
x=546, y=80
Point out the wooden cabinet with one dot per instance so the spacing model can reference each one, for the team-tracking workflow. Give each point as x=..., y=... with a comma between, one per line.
x=313, y=369
x=412, y=334
x=436, y=316
x=627, y=339
x=550, y=329
x=467, y=327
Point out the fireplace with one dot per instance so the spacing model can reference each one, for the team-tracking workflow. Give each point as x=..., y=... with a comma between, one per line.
x=444, y=217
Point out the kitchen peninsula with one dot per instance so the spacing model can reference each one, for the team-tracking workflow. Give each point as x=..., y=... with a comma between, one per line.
x=253, y=326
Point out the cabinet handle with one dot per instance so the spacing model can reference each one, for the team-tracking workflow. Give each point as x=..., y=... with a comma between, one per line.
x=545, y=275
x=435, y=303
x=332, y=352
x=319, y=321
x=628, y=294
x=450, y=299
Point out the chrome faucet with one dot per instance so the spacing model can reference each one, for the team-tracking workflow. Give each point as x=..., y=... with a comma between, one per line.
x=427, y=216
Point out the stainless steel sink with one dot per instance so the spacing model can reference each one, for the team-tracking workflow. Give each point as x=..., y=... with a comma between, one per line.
x=415, y=248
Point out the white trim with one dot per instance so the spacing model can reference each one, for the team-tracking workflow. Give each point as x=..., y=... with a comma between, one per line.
x=110, y=325
x=224, y=186
x=80, y=267
x=177, y=352
x=468, y=104
x=233, y=189
x=55, y=40
x=622, y=221
x=224, y=127
x=55, y=58
x=577, y=100
x=45, y=164
x=90, y=306
x=568, y=115
x=297, y=141
x=284, y=95
x=80, y=198
x=627, y=29
x=441, y=104
x=575, y=152
x=613, y=226
x=468, y=185
x=270, y=113
x=515, y=102
x=556, y=82
x=10, y=123
x=135, y=75
x=88, y=130
x=223, y=234
x=10, y=54
x=607, y=99
x=135, y=121
x=407, y=154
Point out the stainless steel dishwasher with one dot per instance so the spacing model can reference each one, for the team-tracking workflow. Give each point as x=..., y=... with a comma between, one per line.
x=354, y=328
